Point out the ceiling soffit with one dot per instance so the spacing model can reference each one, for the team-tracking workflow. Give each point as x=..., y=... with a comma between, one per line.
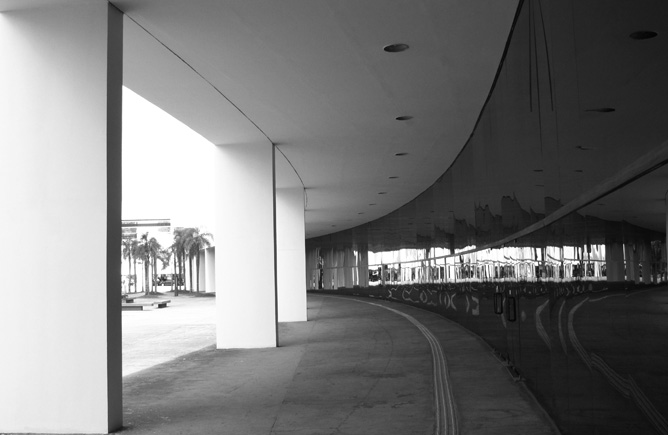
x=312, y=78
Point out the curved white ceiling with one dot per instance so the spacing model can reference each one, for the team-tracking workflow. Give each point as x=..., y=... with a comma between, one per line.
x=312, y=78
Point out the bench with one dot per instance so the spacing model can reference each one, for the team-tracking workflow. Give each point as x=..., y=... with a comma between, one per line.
x=161, y=304
x=140, y=307
x=132, y=307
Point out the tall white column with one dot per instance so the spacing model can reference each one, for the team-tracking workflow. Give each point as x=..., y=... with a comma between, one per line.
x=60, y=172
x=614, y=261
x=210, y=270
x=291, y=249
x=245, y=246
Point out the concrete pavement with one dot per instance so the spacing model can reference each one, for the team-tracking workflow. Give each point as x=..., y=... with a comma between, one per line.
x=356, y=367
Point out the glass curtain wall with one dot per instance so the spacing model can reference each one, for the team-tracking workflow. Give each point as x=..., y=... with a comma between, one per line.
x=547, y=235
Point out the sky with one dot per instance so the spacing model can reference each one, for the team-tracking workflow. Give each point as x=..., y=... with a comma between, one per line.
x=167, y=167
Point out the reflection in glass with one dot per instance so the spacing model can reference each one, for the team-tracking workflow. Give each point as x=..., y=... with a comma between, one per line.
x=572, y=297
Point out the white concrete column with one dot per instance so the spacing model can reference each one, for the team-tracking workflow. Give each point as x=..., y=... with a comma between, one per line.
x=60, y=172
x=645, y=248
x=210, y=270
x=614, y=261
x=348, y=265
x=632, y=262
x=291, y=250
x=246, y=246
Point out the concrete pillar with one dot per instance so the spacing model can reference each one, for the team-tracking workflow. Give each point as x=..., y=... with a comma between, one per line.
x=291, y=250
x=329, y=268
x=614, y=261
x=348, y=265
x=201, y=273
x=363, y=265
x=311, y=268
x=645, y=256
x=245, y=235
x=210, y=270
x=340, y=280
x=60, y=172
x=632, y=262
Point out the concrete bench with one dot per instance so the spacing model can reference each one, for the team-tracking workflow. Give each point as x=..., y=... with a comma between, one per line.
x=161, y=304
x=141, y=306
x=132, y=307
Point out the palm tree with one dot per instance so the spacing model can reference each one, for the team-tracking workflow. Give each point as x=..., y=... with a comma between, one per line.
x=148, y=250
x=164, y=255
x=186, y=240
x=177, y=249
x=154, y=250
x=134, y=250
x=195, y=243
x=127, y=254
x=142, y=253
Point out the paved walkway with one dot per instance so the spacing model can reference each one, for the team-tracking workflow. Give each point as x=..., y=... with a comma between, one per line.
x=358, y=366
x=158, y=335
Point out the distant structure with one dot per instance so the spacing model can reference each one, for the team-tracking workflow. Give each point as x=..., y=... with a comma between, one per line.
x=134, y=227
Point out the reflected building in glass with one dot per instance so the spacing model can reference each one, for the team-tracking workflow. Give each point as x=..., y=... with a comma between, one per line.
x=547, y=235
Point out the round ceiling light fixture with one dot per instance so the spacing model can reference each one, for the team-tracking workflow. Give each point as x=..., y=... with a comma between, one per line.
x=643, y=34
x=395, y=48
x=403, y=118
x=401, y=154
x=382, y=193
x=393, y=177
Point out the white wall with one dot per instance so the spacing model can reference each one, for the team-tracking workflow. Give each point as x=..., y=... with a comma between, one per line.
x=60, y=370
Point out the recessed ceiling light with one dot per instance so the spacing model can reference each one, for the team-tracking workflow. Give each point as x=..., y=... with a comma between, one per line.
x=578, y=170
x=333, y=225
x=393, y=177
x=601, y=110
x=361, y=212
x=581, y=148
x=401, y=154
x=382, y=193
x=395, y=48
x=373, y=203
x=643, y=34
x=403, y=118
x=538, y=170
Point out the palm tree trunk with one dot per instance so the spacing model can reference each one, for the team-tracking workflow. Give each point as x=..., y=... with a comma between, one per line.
x=147, y=289
x=175, y=278
x=155, y=274
x=197, y=269
x=190, y=270
x=183, y=271
x=134, y=260
x=180, y=278
x=129, y=273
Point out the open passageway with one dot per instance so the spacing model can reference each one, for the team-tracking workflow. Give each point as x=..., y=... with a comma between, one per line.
x=358, y=366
